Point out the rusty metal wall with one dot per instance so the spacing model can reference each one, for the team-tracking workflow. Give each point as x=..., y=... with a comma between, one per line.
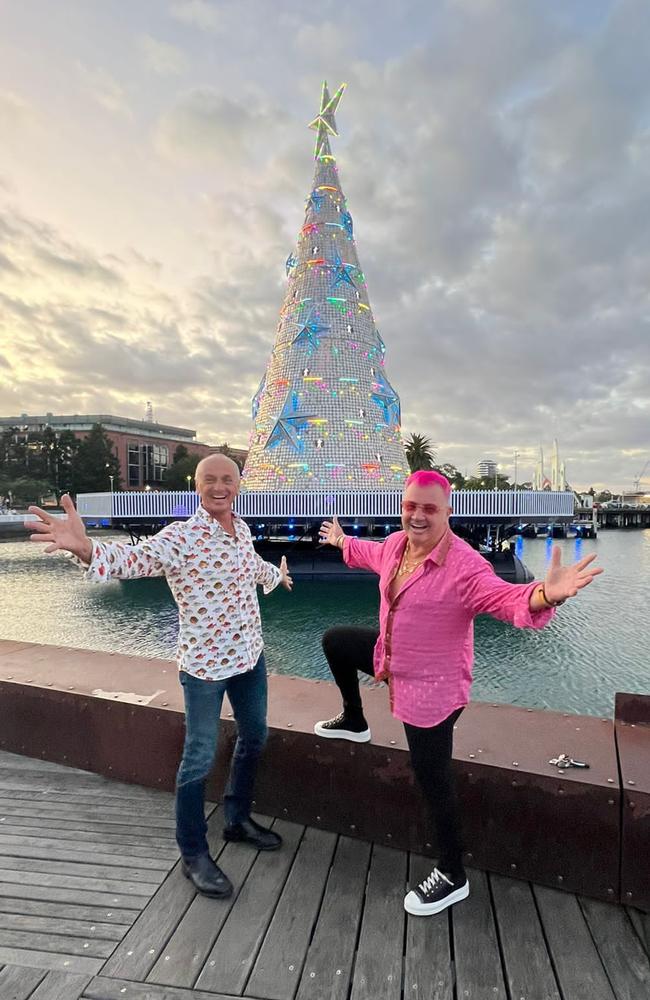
x=633, y=742
x=522, y=816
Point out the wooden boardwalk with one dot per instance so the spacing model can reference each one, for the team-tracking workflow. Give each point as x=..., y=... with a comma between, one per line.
x=93, y=905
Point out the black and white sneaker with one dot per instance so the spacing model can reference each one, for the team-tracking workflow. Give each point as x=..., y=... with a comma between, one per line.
x=341, y=728
x=436, y=893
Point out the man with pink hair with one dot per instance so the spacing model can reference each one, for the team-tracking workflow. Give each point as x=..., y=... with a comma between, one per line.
x=432, y=585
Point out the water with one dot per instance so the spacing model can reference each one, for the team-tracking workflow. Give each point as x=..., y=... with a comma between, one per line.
x=597, y=645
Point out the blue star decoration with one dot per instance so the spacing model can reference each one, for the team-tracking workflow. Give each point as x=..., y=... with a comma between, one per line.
x=287, y=426
x=385, y=397
x=346, y=219
x=309, y=329
x=316, y=200
x=291, y=262
x=341, y=272
x=257, y=398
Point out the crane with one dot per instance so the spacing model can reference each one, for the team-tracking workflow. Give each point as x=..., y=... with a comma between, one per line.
x=640, y=476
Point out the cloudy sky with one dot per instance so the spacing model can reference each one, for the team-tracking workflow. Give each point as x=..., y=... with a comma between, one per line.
x=496, y=159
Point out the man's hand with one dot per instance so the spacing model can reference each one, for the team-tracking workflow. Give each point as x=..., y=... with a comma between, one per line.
x=67, y=534
x=285, y=579
x=331, y=533
x=565, y=581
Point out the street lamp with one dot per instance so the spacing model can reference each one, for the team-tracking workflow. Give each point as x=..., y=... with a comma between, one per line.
x=516, y=457
x=496, y=476
x=111, y=479
x=188, y=480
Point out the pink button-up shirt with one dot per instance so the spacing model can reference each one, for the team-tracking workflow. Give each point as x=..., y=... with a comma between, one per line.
x=425, y=648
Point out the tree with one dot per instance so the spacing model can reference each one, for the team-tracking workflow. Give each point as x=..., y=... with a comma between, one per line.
x=454, y=475
x=181, y=452
x=603, y=497
x=94, y=463
x=488, y=483
x=420, y=453
x=177, y=473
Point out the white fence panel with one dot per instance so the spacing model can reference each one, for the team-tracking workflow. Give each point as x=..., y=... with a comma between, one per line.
x=468, y=504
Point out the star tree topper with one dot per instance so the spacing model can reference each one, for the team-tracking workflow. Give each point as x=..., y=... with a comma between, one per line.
x=324, y=123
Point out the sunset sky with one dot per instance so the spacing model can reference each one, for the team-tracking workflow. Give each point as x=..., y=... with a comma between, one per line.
x=496, y=159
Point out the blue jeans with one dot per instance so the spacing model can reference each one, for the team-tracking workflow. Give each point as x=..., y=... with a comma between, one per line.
x=203, y=699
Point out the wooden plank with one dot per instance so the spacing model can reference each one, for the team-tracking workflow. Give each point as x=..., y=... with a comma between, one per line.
x=67, y=911
x=528, y=968
x=61, y=986
x=50, y=960
x=230, y=960
x=82, y=846
x=57, y=925
x=276, y=973
x=65, y=828
x=625, y=961
x=378, y=969
x=577, y=965
x=137, y=953
x=143, y=890
x=328, y=965
x=74, y=896
x=641, y=924
x=56, y=942
x=479, y=975
x=124, y=989
x=98, y=866
x=162, y=805
x=18, y=983
x=427, y=969
x=189, y=946
x=98, y=814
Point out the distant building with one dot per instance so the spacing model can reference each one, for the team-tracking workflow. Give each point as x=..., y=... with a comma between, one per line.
x=486, y=469
x=145, y=449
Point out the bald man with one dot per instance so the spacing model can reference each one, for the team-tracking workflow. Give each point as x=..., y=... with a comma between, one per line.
x=213, y=572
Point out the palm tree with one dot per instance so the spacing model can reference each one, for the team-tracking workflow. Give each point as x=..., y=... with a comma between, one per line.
x=420, y=453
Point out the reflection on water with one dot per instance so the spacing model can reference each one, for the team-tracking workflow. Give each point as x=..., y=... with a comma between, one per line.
x=597, y=645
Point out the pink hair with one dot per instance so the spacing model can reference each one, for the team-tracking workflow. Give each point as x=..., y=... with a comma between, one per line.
x=424, y=477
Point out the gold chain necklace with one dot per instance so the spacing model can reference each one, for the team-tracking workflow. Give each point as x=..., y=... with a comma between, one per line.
x=406, y=566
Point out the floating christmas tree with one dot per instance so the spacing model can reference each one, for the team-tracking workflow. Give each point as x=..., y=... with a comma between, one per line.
x=325, y=415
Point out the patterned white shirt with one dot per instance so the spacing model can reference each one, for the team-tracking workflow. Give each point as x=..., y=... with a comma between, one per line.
x=213, y=577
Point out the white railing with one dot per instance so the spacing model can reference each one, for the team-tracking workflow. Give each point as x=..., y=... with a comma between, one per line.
x=521, y=504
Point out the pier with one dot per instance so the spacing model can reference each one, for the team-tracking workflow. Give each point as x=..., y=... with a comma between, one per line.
x=93, y=904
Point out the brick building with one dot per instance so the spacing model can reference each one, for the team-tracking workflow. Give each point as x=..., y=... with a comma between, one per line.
x=145, y=449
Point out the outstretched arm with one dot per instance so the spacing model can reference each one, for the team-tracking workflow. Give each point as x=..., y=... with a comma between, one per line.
x=562, y=582
x=359, y=553
x=106, y=560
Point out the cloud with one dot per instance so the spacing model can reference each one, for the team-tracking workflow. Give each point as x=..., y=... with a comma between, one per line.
x=197, y=13
x=104, y=90
x=161, y=57
x=496, y=159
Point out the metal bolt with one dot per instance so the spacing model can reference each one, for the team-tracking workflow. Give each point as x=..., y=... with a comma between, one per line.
x=289, y=725
x=393, y=742
x=472, y=755
x=515, y=763
x=631, y=804
x=628, y=895
x=611, y=781
x=610, y=802
x=560, y=878
x=630, y=782
x=513, y=867
x=514, y=784
x=610, y=892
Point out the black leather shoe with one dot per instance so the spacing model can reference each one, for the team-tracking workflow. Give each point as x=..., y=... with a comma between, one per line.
x=250, y=832
x=206, y=877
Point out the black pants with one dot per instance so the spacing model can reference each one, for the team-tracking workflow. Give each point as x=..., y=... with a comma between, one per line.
x=349, y=649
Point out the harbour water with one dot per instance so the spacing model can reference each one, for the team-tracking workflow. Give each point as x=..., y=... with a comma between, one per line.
x=597, y=645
